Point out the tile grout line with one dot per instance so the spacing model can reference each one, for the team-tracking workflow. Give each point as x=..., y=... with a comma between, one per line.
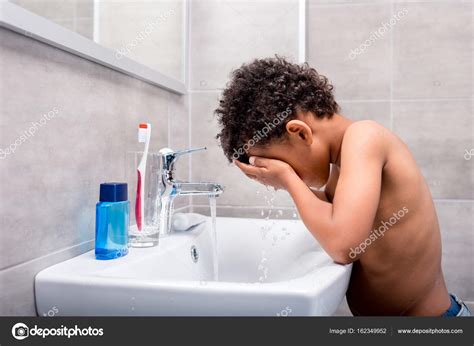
x=190, y=101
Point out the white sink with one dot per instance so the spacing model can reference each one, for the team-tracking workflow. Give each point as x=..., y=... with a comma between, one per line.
x=266, y=268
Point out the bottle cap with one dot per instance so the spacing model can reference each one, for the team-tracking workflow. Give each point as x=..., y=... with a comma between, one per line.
x=113, y=192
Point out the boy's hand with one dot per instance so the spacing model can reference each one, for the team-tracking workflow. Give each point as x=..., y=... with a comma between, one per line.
x=271, y=172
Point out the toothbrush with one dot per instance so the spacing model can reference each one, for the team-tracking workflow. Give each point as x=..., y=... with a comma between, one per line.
x=144, y=135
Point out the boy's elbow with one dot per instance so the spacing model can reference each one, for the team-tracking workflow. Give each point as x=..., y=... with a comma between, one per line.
x=341, y=253
x=342, y=257
x=342, y=250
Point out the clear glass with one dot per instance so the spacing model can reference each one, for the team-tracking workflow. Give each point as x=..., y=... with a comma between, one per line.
x=149, y=233
x=111, y=229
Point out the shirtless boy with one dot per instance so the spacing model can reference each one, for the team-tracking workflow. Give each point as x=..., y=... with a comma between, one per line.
x=281, y=126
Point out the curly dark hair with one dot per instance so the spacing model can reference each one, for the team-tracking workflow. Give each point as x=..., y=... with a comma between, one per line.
x=259, y=92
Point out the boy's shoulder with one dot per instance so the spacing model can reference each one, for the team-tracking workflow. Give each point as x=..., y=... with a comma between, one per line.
x=365, y=127
x=367, y=136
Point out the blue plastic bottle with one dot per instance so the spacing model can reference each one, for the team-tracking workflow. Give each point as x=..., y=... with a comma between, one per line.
x=112, y=221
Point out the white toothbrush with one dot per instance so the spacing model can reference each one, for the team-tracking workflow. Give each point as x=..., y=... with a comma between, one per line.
x=144, y=135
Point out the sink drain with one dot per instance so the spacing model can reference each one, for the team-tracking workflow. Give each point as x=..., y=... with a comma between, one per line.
x=194, y=254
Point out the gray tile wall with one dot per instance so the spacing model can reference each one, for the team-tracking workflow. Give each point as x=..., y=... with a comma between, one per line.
x=49, y=185
x=225, y=34
x=415, y=79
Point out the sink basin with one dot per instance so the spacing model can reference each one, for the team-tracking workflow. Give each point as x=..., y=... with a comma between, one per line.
x=266, y=268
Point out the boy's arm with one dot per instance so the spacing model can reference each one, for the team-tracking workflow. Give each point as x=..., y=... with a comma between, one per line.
x=346, y=222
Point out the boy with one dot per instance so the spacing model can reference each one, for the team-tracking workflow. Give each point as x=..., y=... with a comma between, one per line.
x=280, y=125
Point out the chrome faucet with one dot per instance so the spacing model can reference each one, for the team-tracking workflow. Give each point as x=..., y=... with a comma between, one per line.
x=169, y=188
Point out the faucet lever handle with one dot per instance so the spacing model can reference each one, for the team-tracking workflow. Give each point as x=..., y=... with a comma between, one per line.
x=189, y=151
x=169, y=156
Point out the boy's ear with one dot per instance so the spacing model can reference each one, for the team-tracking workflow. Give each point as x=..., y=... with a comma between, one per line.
x=299, y=130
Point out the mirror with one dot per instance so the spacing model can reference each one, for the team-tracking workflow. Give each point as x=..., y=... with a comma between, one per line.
x=151, y=32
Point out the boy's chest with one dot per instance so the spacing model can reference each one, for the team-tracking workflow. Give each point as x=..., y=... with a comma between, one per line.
x=331, y=185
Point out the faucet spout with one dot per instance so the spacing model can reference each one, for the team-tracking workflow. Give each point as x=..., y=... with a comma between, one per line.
x=171, y=188
x=198, y=189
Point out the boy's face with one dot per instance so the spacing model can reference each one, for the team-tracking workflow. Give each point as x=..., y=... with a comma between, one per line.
x=311, y=163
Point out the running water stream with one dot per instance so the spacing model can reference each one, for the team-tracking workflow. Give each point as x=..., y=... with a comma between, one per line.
x=215, y=258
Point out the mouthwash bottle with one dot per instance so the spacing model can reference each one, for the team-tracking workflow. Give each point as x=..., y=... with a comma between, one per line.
x=112, y=221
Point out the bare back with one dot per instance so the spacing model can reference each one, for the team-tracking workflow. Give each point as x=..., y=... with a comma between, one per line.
x=400, y=272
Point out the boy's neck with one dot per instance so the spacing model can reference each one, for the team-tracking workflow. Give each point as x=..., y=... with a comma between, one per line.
x=339, y=125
